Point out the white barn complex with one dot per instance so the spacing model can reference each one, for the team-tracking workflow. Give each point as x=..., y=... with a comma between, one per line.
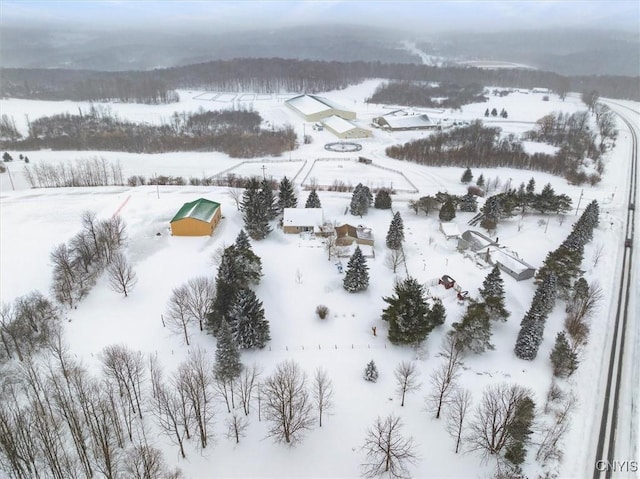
x=345, y=129
x=316, y=108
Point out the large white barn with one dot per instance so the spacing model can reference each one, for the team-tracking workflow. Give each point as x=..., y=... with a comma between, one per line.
x=345, y=129
x=316, y=108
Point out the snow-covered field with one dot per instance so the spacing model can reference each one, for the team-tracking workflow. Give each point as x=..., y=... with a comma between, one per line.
x=298, y=277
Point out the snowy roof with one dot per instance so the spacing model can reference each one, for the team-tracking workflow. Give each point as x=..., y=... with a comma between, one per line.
x=302, y=217
x=310, y=104
x=450, y=229
x=339, y=125
x=408, y=121
x=477, y=239
x=508, y=259
x=360, y=232
x=199, y=209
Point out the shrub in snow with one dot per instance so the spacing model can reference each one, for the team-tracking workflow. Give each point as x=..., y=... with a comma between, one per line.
x=371, y=372
x=322, y=311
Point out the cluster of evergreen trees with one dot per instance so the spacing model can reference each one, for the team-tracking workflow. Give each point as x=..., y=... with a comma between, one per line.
x=556, y=277
x=235, y=132
x=473, y=332
x=361, y=200
x=409, y=316
x=259, y=205
x=235, y=306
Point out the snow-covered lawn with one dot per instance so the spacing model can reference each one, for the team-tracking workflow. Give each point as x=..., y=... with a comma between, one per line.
x=298, y=277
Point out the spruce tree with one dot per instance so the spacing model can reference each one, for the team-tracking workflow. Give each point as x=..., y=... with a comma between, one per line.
x=395, y=235
x=492, y=293
x=226, y=289
x=491, y=213
x=242, y=241
x=313, y=200
x=448, y=210
x=532, y=325
x=356, y=277
x=371, y=372
x=486, y=112
x=467, y=176
x=519, y=430
x=546, y=200
x=254, y=211
x=494, y=112
x=474, y=331
x=286, y=196
x=468, y=203
x=248, y=265
x=227, y=365
x=249, y=328
x=407, y=313
x=564, y=264
x=360, y=200
x=563, y=359
x=438, y=313
x=480, y=181
x=269, y=202
x=383, y=199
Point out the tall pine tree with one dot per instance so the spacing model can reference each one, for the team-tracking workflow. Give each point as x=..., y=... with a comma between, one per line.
x=383, y=199
x=395, y=235
x=255, y=212
x=356, y=277
x=563, y=359
x=227, y=364
x=286, y=196
x=467, y=176
x=360, y=200
x=448, y=209
x=407, y=313
x=532, y=325
x=313, y=200
x=474, y=331
x=492, y=293
x=268, y=200
x=249, y=328
x=469, y=203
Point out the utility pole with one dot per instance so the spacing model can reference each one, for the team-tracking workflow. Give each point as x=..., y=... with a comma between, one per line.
x=264, y=177
x=157, y=187
x=13, y=188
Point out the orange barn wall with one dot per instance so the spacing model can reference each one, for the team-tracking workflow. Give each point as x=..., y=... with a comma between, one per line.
x=193, y=227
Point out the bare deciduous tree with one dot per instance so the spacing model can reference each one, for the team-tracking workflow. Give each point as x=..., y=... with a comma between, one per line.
x=286, y=403
x=144, y=462
x=388, y=451
x=597, y=254
x=458, y=407
x=200, y=294
x=553, y=432
x=168, y=412
x=126, y=368
x=489, y=430
x=178, y=315
x=394, y=258
x=443, y=379
x=580, y=308
x=236, y=195
x=248, y=386
x=122, y=278
x=236, y=426
x=322, y=392
x=406, y=379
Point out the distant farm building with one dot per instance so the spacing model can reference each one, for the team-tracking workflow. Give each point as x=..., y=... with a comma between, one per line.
x=344, y=128
x=197, y=218
x=346, y=235
x=400, y=120
x=316, y=108
x=298, y=220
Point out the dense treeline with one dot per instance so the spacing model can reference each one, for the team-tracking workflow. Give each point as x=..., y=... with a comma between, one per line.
x=272, y=75
x=235, y=132
x=481, y=146
x=427, y=95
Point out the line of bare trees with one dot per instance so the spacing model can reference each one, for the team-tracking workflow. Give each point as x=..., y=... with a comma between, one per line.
x=83, y=172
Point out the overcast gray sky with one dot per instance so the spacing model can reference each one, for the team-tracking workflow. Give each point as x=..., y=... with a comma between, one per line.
x=428, y=16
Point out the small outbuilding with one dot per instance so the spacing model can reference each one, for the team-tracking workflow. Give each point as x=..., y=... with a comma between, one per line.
x=197, y=218
x=298, y=220
x=447, y=281
x=347, y=234
x=508, y=261
x=474, y=241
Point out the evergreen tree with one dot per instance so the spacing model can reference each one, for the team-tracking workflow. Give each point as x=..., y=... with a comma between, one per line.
x=532, y=325
x=407, y=313
x=269, y=202
x=491, y=212
x=486, y=112
x=563, y=359
x=504, y=113
x=480, y=181
x=546, y=200
x=247, y=264
x=313, y=200
x=371, y=372
x=474, y=331
x=467, y=176
x=286, y=196
x=531, y=192
x=254, y=210
x=438, y=313
x=395, y=235
x=468, y=203
x=227, y=365
x=249, y=328
x=564, y=264
x=448, y=210
x=492, y=293
x=383, y=199
x=519, y=430
x=494, y=112
x=356, y=277
x=242, y=241
x=360, y=200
